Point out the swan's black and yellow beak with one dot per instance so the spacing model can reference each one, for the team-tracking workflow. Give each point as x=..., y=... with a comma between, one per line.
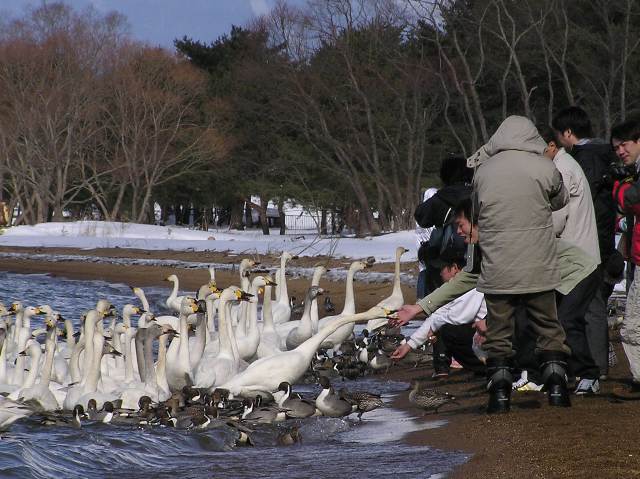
x=243, y=296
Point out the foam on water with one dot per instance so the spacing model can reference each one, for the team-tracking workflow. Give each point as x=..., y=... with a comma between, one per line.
x=330, y=447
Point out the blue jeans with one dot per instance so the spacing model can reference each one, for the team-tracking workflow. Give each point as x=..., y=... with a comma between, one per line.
x=421, y=286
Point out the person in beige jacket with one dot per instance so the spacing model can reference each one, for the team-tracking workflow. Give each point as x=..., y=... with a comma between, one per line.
x=515, y=190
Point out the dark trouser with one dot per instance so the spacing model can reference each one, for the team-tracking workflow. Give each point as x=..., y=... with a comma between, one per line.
x=572, y=310
x=456, y=341
x=421, y=286
x=524, y=344
x=541, y=310
x=597, y=329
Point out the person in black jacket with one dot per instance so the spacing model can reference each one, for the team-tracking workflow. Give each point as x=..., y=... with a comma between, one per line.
x=573, y=130
x=437, y=212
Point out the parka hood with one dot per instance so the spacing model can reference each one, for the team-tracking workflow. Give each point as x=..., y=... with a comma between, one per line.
x=515, y=133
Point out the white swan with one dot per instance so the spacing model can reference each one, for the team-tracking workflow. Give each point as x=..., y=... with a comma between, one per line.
x=146, y=309
x=270, y=342
x=34, y=352
x=249, y=341
x=396, y=300
x=214, y=371
x=238, y=311
x=266, y=375
x=210, y=287
x=41, y=393
x=174, y=302
x=11, y=411
x=304, y=329
x=340, y=335
x=179, y=372
x=88, y=387
x=318, y=272
x=282, y=308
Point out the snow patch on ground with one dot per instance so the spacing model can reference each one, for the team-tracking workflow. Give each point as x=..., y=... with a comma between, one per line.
x=102, y=234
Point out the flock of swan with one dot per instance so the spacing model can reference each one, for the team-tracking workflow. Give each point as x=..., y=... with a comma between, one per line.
x=215, y=342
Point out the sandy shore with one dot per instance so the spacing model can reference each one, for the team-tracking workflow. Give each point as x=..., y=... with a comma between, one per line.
x=597, y=437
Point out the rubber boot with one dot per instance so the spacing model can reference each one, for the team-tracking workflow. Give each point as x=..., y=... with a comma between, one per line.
x=554, y=378
x=499, y=383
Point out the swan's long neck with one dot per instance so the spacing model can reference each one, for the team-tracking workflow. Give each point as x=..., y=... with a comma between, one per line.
x=174, y=291
x=141, y=335
x=89, y=329
x=224, y=327
x=278, y=284
x=3, y=359
x=143, y=297
x=284, y=293
x=161, y=365
x=71, y=340
x=349, y=299
x=211, y=310
x=305, y=321
x=91, y=383
x=117, y=344
x=183, y=346
x=26, y=320
x=311, y=345
x=74, y=361
x=201, y=340
x=315, y=281
x=35, y=355
x=252, y=310
x=49, y=352
x=126, y=318
x=17, y=327
x=128, y=360
x=397, y=289
x=150, y=379
x=267, y=315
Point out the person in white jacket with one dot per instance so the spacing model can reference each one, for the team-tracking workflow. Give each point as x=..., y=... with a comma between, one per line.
x=455, y=323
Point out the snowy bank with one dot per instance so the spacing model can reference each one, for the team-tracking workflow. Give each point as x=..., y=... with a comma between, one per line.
x=100, y=234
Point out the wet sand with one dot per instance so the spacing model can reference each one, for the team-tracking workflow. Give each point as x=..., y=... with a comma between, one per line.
x=597, y=437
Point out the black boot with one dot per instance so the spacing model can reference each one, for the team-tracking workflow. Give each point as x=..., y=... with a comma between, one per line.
x=499, y=382
x=554, y=378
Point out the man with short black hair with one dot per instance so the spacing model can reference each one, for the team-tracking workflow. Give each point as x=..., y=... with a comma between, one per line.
x=574, y=132
x=625, y=139
x=453, y=325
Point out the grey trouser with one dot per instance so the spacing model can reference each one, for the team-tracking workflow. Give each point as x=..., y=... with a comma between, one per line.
x=630, y=331
x=541, y=311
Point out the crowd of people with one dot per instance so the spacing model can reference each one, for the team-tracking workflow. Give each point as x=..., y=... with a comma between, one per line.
x=518, y=258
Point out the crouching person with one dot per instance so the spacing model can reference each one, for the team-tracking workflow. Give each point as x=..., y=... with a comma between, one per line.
x=452, y=324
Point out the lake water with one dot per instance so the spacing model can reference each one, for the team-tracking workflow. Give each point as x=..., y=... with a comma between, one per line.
x=330, y=447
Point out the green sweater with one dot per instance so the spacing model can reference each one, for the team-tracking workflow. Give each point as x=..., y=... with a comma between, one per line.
x=574, y=265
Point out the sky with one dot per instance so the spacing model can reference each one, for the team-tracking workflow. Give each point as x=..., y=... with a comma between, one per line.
x=159, y=22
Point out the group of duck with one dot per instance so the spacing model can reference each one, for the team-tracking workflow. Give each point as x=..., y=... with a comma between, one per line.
x=215, y=360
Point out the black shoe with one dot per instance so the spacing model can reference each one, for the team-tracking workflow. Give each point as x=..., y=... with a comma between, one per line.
x=499, y=386
x=554, y=377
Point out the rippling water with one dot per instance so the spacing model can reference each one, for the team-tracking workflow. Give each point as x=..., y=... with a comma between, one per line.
x=330, y=447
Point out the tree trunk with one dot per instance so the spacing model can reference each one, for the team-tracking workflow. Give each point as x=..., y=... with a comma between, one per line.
x=237, y=210
x=323, y=222
x=264, y=220
x=283, y=217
